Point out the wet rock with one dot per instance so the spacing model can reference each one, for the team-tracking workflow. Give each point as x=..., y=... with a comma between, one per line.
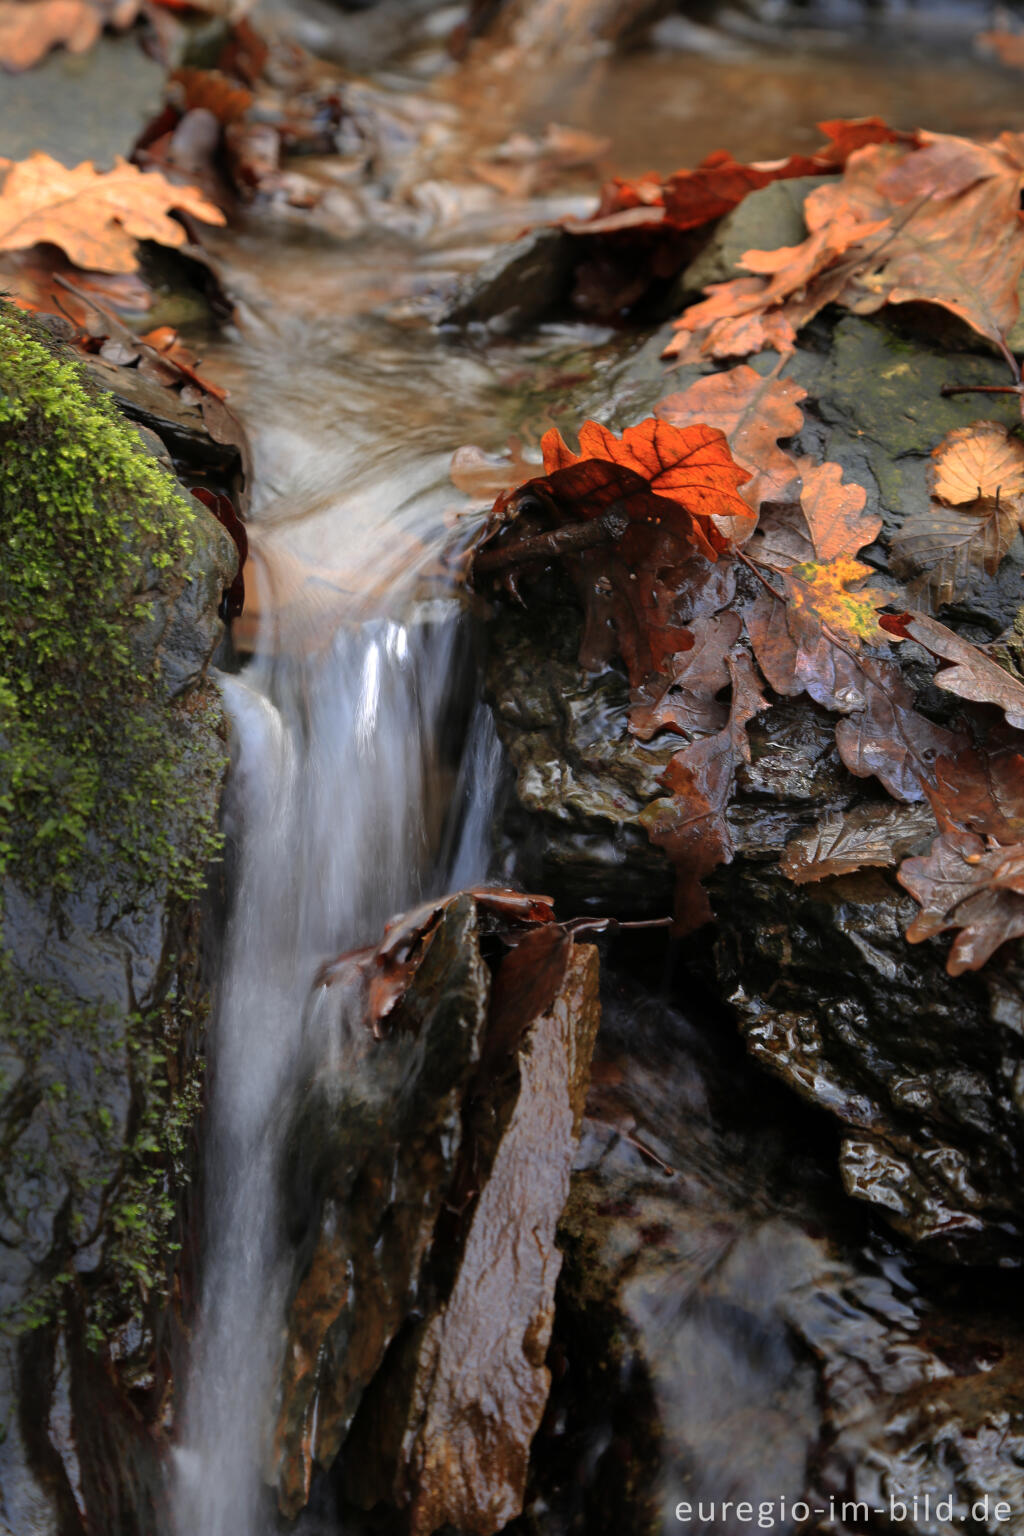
x=765, y=220
x=573, y=822
x=521, y=284
x=730, y=1332
x=91, y=105
x=922, y=1070
x=102, y=991
x=440, y=1164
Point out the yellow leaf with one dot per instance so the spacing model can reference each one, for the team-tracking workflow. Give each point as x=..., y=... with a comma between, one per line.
x=821, y=590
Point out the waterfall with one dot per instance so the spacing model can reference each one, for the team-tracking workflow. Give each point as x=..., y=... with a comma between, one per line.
x=357, y=787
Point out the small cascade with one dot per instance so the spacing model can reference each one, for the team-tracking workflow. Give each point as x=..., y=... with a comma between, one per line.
x=348, y=802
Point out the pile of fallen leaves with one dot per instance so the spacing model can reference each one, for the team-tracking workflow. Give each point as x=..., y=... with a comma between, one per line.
x=725, y=572
x=643, y=231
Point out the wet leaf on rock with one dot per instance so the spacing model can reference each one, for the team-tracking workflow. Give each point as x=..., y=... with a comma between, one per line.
x=753, y=411
x=966, y=885
x=844, y=841
x=971, y=674
x=976, y=508
x=937, y=222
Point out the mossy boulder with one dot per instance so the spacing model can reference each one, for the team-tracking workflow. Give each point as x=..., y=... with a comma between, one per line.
x=111, y=763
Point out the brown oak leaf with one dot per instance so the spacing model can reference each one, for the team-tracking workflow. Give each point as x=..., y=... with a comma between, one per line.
x=845, y=841
x=971, y=674
x=969, y=885
x=938, y=223
x=691, y=825
x=95, y=217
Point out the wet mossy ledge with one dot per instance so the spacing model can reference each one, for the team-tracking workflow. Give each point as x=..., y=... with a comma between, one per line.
x=112, y=758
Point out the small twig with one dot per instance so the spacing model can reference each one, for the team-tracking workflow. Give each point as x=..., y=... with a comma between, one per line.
x=646, y=1151
x=1016, y=388
x=607, y=528
x=981, y=389
x=752, y=565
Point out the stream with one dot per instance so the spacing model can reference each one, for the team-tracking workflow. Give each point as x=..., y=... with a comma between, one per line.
x=365, y=770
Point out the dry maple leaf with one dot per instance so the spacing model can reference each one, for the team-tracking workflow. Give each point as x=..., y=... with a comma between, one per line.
x=95, y=217
x=977, y=479
x=971, y=675
x=754, y=412
x=964, y=883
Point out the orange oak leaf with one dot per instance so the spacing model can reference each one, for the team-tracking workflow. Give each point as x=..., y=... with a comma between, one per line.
x=937, y=223
x=965, y=884
x=689, y=468
x=747, y=314
x=753, y=411
x=835, y=514
x=95, y=217
x=977, y=505
x=30, y=28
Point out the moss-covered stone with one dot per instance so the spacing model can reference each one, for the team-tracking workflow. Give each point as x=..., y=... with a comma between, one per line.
x=95, y=539
x=111, y=763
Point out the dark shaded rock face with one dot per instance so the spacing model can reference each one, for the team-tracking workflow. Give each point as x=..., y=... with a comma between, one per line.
x=427, y=1176
x=731, y=1332
x=924, y=1072
x=102, y=992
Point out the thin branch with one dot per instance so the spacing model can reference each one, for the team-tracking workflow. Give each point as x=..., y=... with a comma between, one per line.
x=572, y=538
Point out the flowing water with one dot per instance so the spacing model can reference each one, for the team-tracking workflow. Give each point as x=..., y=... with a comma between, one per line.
x=362, y=774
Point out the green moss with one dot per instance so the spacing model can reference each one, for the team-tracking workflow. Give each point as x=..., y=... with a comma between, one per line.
x=109, y=790
x=97, y=771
